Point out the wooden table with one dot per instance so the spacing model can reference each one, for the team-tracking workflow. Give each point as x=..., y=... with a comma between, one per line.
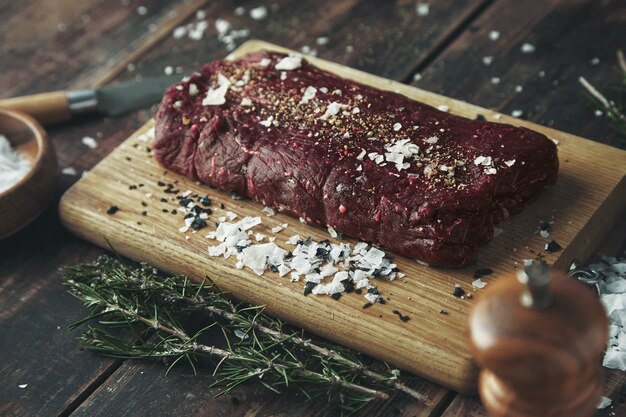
x=67, y=44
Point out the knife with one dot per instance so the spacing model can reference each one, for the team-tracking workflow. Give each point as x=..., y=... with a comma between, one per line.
x=111, y=100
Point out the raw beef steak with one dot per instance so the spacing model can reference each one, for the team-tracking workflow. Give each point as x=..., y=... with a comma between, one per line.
x=371, y=164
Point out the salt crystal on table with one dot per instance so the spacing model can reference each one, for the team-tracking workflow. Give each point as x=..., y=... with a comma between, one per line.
x=494, y=35
x=422, y=9
x=614, y=360
x=604, y=403
x=479, y=283
x=69, y=171
x=258, y=13
x=89, y=142
x=620, y=268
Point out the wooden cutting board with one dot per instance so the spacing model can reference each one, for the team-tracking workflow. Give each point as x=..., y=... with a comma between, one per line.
x=585, y=203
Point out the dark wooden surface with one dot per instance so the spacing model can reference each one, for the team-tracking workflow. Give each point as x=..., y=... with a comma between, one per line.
x=49, y=45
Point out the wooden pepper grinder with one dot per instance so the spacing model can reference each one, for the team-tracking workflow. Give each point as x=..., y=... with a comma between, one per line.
x=539, y=338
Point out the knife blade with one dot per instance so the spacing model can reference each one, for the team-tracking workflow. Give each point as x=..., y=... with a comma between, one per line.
x=111, y=100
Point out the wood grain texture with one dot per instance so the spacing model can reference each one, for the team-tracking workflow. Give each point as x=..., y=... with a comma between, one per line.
x=568, y=36
x=431, y=345
x=182, y=393
x=35, y=347
x=385, y=38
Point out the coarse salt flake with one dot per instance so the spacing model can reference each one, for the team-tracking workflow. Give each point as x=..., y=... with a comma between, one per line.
x=258, y=13
x=69, y=171
x=89, y=142
x=487, y=60
x=308, y=95
x=217, y=96
x=494, y=35
x=422, y=9
x=479, y=283
x=289, y=63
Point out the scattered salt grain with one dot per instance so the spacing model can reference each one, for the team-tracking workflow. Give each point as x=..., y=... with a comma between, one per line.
x=240, y=11
x=307, y=50
x=495, y=80
x=308, y=95
x=240, y=334
x=349, y=49
x=422, y=9
x=487, y=60
x=517, y=113
x=494, y=35
x=595, y=61
x=479, y=284
x=179, y=32
x=397, y=127
x=322, y=40
x=443, y=108
x=68, y=171
x=142, y=10
x=22, y=386
x=258, y=13
x=267, y=122
x=519, y=88
x=217, y=96
x=222, y=26
x=417, y=77
x=604, y=403
x=289, y=63
x=277, y=229
x=13, y=165
x=89, y=142
x=527, y=48
x=268, y=211
x=332, y=232
x=598, y=113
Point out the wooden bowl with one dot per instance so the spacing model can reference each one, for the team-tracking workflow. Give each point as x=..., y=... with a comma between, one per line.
x=22, y=202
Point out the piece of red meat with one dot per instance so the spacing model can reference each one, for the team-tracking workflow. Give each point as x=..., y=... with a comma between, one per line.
x=334, y=160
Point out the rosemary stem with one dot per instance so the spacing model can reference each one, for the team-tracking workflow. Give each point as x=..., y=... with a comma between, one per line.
x=603, y=100
x=215, y=351
x=330, y=354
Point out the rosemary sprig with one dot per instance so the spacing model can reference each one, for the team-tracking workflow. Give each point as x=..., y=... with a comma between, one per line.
x=119, y=294
x=615, y=110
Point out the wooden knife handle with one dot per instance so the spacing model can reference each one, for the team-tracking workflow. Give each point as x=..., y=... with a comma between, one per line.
x=47, y=108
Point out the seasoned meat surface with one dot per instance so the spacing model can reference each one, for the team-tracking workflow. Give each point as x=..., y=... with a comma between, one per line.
x=372, y=164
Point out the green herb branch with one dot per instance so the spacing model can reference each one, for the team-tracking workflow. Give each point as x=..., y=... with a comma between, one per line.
x=614, y=109
x=254, y=346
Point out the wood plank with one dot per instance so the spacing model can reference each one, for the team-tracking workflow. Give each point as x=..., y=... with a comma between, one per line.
x=438, y=339
x=37, y=349
x=331, y=18
x=567, y=36
x=72, y=43
x=142, y=389
x=359, y=33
